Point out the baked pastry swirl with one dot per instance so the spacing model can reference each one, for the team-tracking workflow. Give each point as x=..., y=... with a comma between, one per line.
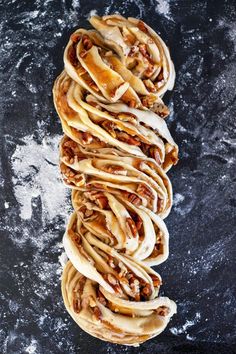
x=124, y=60
x=114, y=156
x=140, y=181
x=111, y=317
x=104, y=264
x=121, y=225
x=134, y=131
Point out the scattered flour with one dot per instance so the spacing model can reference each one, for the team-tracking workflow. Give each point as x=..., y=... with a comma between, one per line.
x=92, y=13
x=178, y=198
x=231, y=27
x=163, y=7
x=183, y=329
x=36, y=175
x=124, y=7
x=32, y=347
x=63, y=259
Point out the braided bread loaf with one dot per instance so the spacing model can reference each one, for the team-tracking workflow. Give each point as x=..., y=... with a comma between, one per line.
x=114, y=156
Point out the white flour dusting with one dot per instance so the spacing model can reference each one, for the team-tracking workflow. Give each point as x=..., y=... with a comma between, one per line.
x=125, y=6
x=63, y=259
x=92, y=13
x=32, y=347
x=36, y=175
x=231, y=27
x=178, y=198
x=183, y=329
x=163, y=7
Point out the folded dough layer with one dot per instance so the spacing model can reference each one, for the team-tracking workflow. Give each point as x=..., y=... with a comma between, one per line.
x=138, y=180
x=123, y=61
x=110, y=317
x=121, y=225
x=134, y=131
x=104, y=264
x=140, y=49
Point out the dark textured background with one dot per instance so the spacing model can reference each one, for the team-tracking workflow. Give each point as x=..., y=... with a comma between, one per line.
x=200, y=273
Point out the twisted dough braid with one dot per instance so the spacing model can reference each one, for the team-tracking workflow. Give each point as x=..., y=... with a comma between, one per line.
x=114, y=156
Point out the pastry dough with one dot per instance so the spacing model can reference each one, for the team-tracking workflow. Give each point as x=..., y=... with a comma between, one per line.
x=110, y=317
x=121, y=225
x=138, y=180
x=104, y=264
x=140, y=48
x=114, y=156
x=135, y=131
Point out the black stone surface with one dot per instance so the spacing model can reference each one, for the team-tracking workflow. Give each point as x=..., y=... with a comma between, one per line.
x=200, y=272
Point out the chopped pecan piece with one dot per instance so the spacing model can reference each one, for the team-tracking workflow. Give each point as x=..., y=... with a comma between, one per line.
x=160, y=77
x=75, y=37
x=145, y=191
x=119, y=91
x=142, y=27
x=88, y=213
x=132, y=103
x=127, y=117
x=95, y=186
x=87, y=138
x=156, y=281
x=160, y=204
x=162, y=311
x=101, y=298
x=118, y=289
x=150, y=70
x=72, y=56
x=133, y=50
x=146, y=290
x=131, y=225
x=111, y=279
x=102, y=202
x=97, y=313
x=70, y=144
x=149, y=85
x=161, y=109
x=87, y=42
x=92, y=301
x=128, y=139
x=93, y=86
x=156, y=250
x=109, y=126
x=138, y=222
x=143, y=50
x=108, y=54
x=133, y=198
x=111, y=262
x=74, y=236
x=98, y=197
x=148, y=101
x=154, y=152
x=135, y=286
x=76, y=305
x=123, y=269
x=67, y=171
x=150, y=41
x=115, y=170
